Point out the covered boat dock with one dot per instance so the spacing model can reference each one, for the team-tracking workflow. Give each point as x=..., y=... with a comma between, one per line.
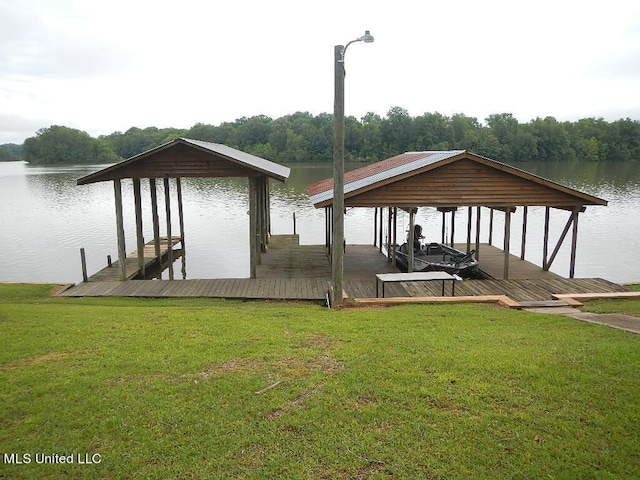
x=447, y=181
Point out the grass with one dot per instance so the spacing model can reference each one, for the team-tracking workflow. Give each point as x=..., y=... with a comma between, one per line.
x=167, y=389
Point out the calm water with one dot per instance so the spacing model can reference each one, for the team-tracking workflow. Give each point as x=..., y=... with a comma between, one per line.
x=45, y=219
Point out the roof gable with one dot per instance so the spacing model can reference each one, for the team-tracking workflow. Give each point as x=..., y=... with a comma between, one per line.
x=455, y=178
x=186, y=158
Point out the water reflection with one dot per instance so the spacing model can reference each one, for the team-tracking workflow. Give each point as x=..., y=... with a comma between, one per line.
x=47, y=218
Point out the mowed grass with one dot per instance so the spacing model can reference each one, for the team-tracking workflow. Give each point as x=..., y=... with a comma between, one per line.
x=179, y=389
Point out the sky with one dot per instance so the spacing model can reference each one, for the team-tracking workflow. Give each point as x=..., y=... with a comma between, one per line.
x=103, y=67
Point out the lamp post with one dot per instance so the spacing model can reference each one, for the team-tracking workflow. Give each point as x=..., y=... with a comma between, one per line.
x=337, y=250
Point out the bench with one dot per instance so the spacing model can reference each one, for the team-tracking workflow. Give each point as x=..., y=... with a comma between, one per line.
x=382, y=278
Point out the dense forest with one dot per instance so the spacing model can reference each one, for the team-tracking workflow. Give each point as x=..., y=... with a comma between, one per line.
x=303, y=137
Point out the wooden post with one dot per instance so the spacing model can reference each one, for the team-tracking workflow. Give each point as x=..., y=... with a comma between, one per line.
x=337, y=259
x=375, y=225
x=167, y=206
x=507, y=238
x=574, y=242
x=545, y=244
x=83, y=261
x=523, y=246
x=390, y=214
x=490, y=226
x=294, y=223
x=154, y=217
x=180, y=210
x=410, y=240
x=469, y=218
x=478, y=232
x=395, y=236
x=380, y=230
x=268, y=206
x=327, y=229
x=253, y=225
x=444, y=227
x=453, y=224
x=122, y=250
x=137, y=198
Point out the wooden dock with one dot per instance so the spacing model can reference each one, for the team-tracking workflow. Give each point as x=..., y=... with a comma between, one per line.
x=132, y=266
x=289, y=271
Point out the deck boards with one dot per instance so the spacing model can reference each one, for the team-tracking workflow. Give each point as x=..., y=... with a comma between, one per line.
x=289, y=271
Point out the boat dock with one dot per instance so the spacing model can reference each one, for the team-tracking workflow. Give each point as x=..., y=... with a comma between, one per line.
x=135, y=268
x=290, y=271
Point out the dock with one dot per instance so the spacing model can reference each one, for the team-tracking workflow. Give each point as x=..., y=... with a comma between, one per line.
x=290, y=271
x=111, y=273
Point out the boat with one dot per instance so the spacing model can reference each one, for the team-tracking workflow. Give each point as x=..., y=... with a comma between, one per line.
x=435, y=257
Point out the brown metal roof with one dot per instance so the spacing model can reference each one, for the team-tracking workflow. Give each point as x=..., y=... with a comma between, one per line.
x=184, y=158
x=449, y=178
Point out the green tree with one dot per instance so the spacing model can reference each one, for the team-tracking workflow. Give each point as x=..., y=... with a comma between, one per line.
x=10, y=152
x=58, y=144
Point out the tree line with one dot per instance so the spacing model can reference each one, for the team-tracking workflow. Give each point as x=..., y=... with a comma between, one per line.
x=303, y=137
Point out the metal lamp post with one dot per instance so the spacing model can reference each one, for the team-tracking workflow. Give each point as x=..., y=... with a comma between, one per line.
x=337, y=251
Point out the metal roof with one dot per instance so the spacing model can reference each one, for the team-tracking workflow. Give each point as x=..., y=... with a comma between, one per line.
x=245, y=160
x=393, y=169
x=258, y=163
x=378, y=172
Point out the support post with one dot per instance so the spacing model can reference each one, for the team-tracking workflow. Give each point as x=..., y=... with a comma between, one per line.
x=574, y=242
x=375, y=225
x=180, y=210
x=410, y=240
x=122, y=251
x=389, y=218
x=523, y=246
x=453, y=224
x=380, y=230
x=337, y=264
x=469, y=219
x=294, y=223
x=490, y=226
x=253, y=226
x=478, y=232
x=507, y=239
x=545, y=245
x=83, y=261
x=137, y=198
x=167, y=206
x=154, y=217
x=394, y=241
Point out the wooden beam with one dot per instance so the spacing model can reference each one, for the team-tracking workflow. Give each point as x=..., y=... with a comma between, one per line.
x=395, y=236
x=500, y=299
x=574, y=243
x=137, y=199
x=389, y=220
x=380, y=230
x=478, y=233
x=490, y=226
x=180, y=209
x=167, y=207
x=507, y=240
x=375, y=225
x=253, y=226
x=561, y=240
x=122, y=249
x=154, y=217
x=469, y=219
x=410, y=240
x=545, y=241
x=523, y=245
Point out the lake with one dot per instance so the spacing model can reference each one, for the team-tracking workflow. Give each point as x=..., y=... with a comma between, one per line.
x=46, y=219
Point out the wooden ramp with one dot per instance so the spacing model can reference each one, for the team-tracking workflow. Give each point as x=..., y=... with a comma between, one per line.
x=112, y=273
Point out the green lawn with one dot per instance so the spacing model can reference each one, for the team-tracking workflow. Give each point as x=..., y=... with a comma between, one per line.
x=167, y=389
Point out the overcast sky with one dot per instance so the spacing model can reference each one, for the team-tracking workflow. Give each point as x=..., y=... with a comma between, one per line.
x=107, y=66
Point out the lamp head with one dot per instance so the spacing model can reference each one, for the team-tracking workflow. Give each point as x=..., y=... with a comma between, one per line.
x=367, y=37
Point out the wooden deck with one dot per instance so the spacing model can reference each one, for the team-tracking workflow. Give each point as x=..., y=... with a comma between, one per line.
x=289, y=271
x=132, y=268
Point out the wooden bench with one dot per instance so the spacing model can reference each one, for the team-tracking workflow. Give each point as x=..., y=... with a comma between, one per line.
x=382, y=278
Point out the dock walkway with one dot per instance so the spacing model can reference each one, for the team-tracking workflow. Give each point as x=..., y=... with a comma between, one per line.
x=289, y=271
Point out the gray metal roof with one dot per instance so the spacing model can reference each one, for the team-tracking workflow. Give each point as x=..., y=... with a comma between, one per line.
x=258, y=163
